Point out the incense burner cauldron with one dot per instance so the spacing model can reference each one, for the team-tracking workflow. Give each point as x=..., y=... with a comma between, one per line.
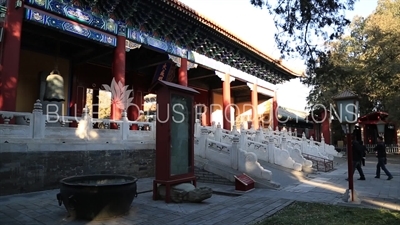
x=97, y=196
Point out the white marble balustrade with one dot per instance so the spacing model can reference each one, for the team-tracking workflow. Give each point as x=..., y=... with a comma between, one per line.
x=279, y=147
x=37, y=126
x=230, y=155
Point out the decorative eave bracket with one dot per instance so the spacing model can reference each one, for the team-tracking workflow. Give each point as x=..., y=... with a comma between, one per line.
x=222, y=76
x=177, y=61
x=261, y=90
x=130, y=45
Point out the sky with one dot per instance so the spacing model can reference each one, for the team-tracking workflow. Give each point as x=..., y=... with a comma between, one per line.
x=256, y=26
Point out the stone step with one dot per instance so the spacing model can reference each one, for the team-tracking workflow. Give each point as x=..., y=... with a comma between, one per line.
x=229, y=173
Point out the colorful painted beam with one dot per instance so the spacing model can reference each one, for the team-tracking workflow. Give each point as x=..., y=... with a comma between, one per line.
x=143, y=38
x=53, y=21
x=74, y=13
x=88, y=18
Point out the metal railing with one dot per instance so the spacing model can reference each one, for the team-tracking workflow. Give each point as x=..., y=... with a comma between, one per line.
x=3, y=11
x=391, y=149
x=320, y=164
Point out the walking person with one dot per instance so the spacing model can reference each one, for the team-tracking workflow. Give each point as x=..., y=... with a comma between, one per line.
x=364, y=151
x=380, y=150
x=357, y=158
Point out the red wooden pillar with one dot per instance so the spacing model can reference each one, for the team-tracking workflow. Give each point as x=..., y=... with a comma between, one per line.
x=364, y=133
x=275, y=122
x=326, y=126
x=10, y=54
x=226, y=101
x=118, y=69
x=209, y=109
x=254, y=104
x=133, y=111
x=182, y=78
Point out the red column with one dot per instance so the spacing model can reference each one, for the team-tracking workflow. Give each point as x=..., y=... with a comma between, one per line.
x=183, y=79
x=364, y=133
x=254, y=104
x=209, y=109
x=9, y=66
x=350, y=164
x=133, y=111
x=226, y=99
x=326, y=126
x=275, y=122
x=118, y=71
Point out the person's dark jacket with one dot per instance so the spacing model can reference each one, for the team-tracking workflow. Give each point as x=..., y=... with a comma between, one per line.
x=357, y=151
x=380, y=150
x=364, y=151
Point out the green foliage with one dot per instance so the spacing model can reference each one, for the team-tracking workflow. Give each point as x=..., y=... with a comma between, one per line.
x=366, y=62
x=317, y=213
x=298, y=20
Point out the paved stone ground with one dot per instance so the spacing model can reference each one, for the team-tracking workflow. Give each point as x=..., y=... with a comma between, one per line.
x=42, y=207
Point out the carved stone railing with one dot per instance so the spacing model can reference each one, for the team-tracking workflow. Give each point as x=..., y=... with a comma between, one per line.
x=55, y=128
x=307, y=146
x=229, y=155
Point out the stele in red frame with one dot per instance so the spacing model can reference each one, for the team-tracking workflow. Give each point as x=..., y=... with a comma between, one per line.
x=174, y=136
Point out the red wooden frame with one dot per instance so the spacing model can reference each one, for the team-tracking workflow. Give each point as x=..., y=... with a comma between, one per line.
x=163, y=176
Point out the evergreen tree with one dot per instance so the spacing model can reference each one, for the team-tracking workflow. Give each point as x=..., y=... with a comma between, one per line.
x=367, y=62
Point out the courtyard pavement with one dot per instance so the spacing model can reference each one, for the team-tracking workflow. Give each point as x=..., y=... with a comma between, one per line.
x=226, y=207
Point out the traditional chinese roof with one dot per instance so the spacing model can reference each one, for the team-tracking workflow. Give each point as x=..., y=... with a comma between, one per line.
x=291, y=115
x=209, y=22
x=345, y=95
x=373, y=117
x=173, y=21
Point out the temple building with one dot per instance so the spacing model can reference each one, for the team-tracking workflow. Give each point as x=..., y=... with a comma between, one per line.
x=88, y=43
x=369, y=130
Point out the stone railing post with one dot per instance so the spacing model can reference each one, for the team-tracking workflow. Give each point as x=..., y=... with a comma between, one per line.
x=85, y=125
x=252, y=128
x=197, y=128
x=234, y=152
x=241, y=127
x=284, y=141
x=271, y=149
x=268, y=132
x=234, y=130
x=289, y=132
x=259, y=135
x=243, y=139
x=213, y=126
x=203, y=142
x=278, y=135
x=125, y=125
x=38, y=123
x=322, y=142
x=304, y=143
x=218, y=133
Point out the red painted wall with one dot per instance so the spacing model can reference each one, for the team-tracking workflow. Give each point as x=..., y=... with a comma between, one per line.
x=93, y=76
x=86, y=76
x=203, y=98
